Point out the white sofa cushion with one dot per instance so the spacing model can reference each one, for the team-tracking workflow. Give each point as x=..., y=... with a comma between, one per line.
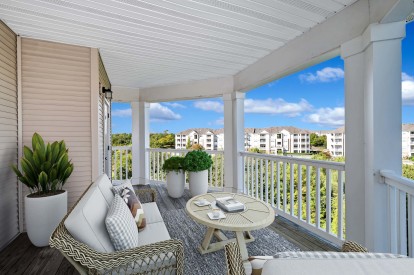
x=153, y=232
x=86, y=223
x=121, y=225
x=152, y=213
x=339, y=266
x=105, y=186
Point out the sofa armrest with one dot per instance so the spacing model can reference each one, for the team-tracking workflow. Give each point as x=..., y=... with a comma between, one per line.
x=146, y=194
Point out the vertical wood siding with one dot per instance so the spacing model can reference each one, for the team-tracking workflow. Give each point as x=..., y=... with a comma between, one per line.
x=9, y=213
x=56, y=103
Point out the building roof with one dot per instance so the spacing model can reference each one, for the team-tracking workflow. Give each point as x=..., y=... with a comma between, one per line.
x=200, y=131
x=408, y=127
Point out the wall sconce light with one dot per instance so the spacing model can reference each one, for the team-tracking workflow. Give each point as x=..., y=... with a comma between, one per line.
x=107, y=93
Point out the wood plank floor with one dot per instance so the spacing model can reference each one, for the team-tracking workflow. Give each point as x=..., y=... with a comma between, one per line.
x=21, y=257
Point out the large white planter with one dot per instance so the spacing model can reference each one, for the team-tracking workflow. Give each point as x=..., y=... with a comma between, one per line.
x=198, y=182
x=175, y=183
x=43, y=215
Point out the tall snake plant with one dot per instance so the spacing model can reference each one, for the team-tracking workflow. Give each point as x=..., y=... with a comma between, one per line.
x=46, y=168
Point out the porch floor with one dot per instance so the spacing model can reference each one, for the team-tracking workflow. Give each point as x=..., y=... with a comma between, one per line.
x=21, y=257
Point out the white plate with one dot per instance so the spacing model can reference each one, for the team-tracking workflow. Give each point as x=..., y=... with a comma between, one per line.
x=199, y=203
x=221, y=216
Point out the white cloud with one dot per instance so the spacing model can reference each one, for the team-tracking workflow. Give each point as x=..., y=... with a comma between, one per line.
x=209, y=105
x=219, y=121
x=158, y=113
x=122, y=113
x=327, y=74
x=405, y=76
x=328, y=117
x=407, y=92
x=175, y=105
x=276, y=106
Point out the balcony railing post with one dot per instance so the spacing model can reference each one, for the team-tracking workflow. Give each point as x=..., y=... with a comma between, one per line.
x=233, y=141
x=373, y=136
x=140, y=142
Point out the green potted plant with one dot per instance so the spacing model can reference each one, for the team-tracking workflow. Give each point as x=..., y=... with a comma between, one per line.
x=174, y=167
x=197, y=164
x=44, y=170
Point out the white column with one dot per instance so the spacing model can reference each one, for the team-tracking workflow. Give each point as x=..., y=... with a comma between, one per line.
x=140, y=142
x=373, y=129
x=233, y=141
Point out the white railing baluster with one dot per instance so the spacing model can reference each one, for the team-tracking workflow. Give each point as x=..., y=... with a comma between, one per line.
x=328, y=200
x=248, y=175
x=252, y=177
x=292, y=188
x=410, y=225
x=158, y=166
x=308, y=195
x=402, y=221
x=272, y=183
x=261, y=179
x=257, y=180
x=392, y=202
x=284, y=187
x=318, y=197
x=278, y=183
x=120, y=165
x=216, y=170
x=340, y=204
x=299, y=192
x=267, y=181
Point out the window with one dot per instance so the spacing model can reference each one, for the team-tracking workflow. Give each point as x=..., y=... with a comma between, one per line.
x=262, y=140
x=279, y=135
x=195, y=136
x=262, y=145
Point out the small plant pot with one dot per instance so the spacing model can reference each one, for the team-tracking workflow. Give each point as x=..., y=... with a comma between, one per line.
x=175, y=183
x=42, y=216
x=198, y=182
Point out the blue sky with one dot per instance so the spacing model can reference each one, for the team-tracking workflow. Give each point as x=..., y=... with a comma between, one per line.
x=311, y=99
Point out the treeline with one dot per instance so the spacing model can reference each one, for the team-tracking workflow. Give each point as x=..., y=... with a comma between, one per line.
x=157, y=140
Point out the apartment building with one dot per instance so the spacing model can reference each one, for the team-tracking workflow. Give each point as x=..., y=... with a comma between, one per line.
x=271, y=140
x=408, y=140
x=335, y=141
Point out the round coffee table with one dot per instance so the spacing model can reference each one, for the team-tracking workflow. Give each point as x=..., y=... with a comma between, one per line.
x=257, y=214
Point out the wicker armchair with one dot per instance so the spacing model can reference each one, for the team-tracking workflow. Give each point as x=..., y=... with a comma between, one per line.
x=235, y=264
x=166, y=257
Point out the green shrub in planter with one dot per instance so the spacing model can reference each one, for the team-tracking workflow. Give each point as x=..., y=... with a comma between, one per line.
x=173, y=164
x=46, y=168
x=196, y=161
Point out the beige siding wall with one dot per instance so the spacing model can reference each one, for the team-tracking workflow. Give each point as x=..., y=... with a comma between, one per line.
x=56, y=103
x=9, y=216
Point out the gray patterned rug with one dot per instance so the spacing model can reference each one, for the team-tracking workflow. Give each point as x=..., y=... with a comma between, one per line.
x=180, y=226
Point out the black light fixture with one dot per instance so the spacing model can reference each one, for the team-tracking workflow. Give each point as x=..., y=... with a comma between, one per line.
x=107, y=93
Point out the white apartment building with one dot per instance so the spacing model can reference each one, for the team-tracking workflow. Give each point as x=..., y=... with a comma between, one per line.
x=335, y=141
x=271, y=140
x=408, y=140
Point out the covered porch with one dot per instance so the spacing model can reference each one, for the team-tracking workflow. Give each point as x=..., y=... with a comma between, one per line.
x=63, y=53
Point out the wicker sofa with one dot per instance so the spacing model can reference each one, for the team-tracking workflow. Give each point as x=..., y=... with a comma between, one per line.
x=353, y=259
x=91, y=252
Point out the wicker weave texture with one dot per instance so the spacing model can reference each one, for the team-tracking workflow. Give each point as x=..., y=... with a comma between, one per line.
x=166, y=257
x=233, y=259
x=350, y=246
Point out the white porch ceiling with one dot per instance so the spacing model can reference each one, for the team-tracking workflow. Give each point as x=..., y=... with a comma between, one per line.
x=160, y=42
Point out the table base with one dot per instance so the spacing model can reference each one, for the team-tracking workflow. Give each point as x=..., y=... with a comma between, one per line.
x=241, y=239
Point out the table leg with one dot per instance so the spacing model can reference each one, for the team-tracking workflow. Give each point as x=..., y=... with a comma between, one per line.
x=207, y=238
x=242, y=245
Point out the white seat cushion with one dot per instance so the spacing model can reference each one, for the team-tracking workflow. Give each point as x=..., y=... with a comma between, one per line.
x=152, y=213
x=338, y=266
x=105, y=185
x=152, y=233
x=86, y=222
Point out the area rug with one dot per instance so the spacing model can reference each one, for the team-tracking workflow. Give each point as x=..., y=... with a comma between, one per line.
x=181, y=226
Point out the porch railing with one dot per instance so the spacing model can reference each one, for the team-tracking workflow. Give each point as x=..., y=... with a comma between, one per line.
x=400, y=212
x=307, y=192
x=121, y=163
x=158, y=157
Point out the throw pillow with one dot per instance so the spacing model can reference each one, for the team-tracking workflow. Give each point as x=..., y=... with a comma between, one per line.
x=117, y=189
x=135, y=207
x=121, y=226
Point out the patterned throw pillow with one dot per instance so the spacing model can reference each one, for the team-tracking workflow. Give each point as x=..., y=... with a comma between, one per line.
x=117, y=189
x=121, y=226
x=135, y=207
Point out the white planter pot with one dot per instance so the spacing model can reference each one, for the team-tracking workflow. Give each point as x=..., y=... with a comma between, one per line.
x=175, y=183
x=198, y=182
x=43, y=215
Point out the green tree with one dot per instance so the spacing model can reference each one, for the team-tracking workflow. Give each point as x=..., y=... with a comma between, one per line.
x=318, y=141
x=254, y=150
x=188, y=146
x=122, y=139
x=408, y=171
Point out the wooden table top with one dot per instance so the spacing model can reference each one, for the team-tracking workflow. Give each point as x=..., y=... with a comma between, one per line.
x=257, y=214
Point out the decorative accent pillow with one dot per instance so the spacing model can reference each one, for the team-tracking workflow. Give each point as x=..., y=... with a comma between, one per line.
x=117, y=189
x=121, y=226
x=135, y=207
